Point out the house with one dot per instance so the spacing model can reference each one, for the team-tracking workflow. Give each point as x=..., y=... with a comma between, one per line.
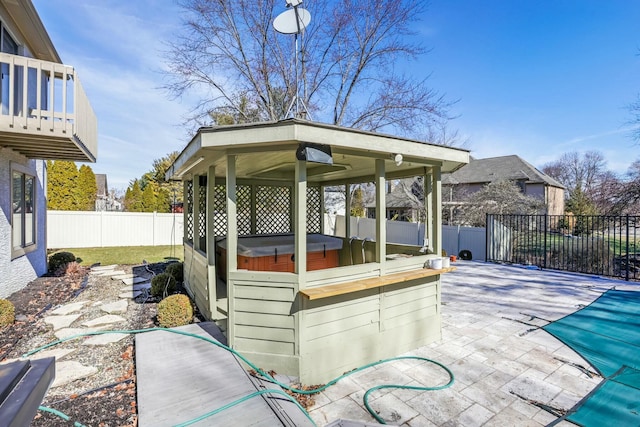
x=105, y=201
x=479, y=172
x=44, y=114
x=404, y=201
x=257, y=259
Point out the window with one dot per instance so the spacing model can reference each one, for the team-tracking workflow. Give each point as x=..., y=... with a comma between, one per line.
x=23, y=202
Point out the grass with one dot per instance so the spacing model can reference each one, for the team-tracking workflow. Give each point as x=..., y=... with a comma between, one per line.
x=125, y=255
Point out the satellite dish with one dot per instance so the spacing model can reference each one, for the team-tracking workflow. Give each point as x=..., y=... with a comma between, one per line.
x=292, y=21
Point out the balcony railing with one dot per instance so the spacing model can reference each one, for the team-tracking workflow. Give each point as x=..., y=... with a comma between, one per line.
x=44, y=107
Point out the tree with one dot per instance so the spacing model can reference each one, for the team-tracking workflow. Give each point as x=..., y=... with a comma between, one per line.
x=243, y=69
x=634, y=109
x=62, y=186
x=498, y=197
x=153, y=193
x=582, y=173
x=357, y=202
x=133, y=198
x=148, y=199
x=87, y=189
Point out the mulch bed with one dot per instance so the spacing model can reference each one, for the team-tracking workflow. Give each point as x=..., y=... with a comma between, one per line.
x=106, y=406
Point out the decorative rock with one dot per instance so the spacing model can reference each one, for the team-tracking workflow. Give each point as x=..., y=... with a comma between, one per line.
x=59, y=322
x=115, y=307
x=134, y=280
x=123, y=276
x=58, y=353
x=67, y=372
x=110, y=273
x=21, y=318
x=131, y=295
x=103, y=267
x=104, y=320
x=105, y=339
x=69, y=332
x=70, y=308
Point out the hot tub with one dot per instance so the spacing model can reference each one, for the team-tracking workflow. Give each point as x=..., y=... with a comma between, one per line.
x=276, y=252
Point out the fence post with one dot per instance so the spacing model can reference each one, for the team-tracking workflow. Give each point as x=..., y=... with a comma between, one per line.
x=627, y=250
x=486, y=237
x=544, y=248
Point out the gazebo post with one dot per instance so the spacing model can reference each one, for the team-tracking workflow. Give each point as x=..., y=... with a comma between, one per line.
x=300, y=221
x=232, y=243
x=436, y=196
x=428, y=206
x=211, y=243
x=347, y=210
x=196, y=212
x=381, y=217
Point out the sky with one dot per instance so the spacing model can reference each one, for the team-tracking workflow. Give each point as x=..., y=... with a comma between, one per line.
x=535, y=78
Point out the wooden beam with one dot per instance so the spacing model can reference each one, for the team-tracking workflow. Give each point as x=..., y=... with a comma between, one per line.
x=373, y=282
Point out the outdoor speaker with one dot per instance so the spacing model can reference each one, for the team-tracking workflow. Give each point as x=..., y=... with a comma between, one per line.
x=316, y=153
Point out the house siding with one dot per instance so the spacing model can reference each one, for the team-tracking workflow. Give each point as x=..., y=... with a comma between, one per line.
x=16, y=273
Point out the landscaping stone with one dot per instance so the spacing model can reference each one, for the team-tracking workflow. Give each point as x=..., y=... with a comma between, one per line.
x=70, y=308
x=119, y=306
x=104, y=339
x=59, y=322
x=69, y=332
x=58, y=353
x=69, y=371
x=104, y=320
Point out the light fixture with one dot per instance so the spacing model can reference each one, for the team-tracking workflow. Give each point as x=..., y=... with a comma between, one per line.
x=191, y=166
x=398, y=159
x=316, y=153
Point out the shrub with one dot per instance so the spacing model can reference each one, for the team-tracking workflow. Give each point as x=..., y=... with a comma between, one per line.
x=175, y=310
x=163, y=284
x=176, y=269
x=60, y=259
x=7, y=312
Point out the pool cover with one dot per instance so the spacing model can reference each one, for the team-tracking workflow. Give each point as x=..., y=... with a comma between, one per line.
x=606, y=334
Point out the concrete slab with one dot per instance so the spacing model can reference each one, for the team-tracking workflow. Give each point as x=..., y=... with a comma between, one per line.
x=119, y=306
x=70, y=308
x=110, y=273
x=59, y=322
x=205, y=377
x=123, y=276
x=108, y=319
x=69, y=371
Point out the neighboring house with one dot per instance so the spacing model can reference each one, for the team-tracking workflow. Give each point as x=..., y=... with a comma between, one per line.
x=105, y=200
x=404, y=201
x=44, y=114
x=479, y=172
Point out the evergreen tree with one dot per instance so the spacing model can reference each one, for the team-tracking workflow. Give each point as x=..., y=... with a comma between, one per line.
x=62, y=186
x=135, y=204
x=87, y=189
x=163, y=201
x=128, y=200
x=357, y=203
x=148, y=200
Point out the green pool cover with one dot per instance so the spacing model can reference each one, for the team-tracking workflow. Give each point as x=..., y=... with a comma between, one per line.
x=606, y=334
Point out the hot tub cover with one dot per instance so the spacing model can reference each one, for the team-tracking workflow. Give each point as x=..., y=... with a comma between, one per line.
x=265, y=245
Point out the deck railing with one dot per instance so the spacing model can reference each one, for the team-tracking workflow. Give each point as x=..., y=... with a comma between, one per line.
x=45, y=98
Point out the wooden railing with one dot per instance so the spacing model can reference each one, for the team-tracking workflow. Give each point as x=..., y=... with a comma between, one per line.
x=46, y=98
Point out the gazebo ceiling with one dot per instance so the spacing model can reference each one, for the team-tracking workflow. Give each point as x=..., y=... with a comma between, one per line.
x=268, y=151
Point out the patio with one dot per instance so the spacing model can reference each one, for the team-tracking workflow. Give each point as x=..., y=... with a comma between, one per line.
x=502, y=364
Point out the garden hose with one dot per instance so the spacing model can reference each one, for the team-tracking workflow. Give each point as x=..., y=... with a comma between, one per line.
x=265, y=375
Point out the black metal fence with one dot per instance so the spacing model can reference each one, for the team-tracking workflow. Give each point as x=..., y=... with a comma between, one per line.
x=602, y=245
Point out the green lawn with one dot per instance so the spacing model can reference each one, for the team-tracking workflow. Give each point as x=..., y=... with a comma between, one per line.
x=127, y=255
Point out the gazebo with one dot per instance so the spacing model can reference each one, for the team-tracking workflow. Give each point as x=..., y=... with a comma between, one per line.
x=295, y=298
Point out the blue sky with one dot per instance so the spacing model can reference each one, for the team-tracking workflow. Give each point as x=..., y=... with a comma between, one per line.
x=532, y=78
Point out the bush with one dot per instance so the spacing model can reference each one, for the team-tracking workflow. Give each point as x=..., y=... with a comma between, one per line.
x=60, y=259
x=175, y=310
x=176, y=269
x=163, y=284
x=7, y=312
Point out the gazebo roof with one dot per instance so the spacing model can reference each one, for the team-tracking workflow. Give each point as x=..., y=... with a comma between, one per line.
x=267, y=150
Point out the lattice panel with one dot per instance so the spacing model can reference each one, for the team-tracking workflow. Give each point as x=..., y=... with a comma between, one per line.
x=243, y=207
x=189, y=207
x=220, y=210
x=202, y=213
x=273, y=209
x=314, y=216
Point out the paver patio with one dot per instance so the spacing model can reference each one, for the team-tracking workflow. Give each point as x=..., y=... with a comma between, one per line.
x=501, y=361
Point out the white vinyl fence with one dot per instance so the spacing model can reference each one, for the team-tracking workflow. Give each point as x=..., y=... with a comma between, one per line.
x=454, y=238
x=71, y=229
